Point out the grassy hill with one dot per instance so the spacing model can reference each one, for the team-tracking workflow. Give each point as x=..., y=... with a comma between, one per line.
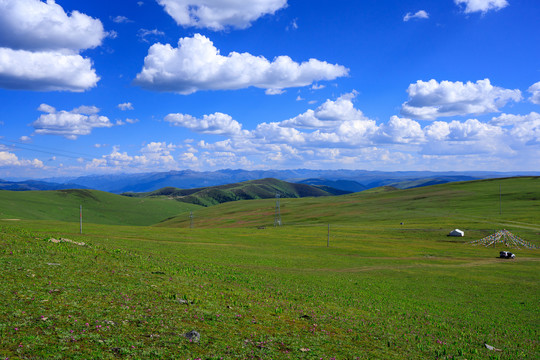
x=456, y=203
x=98, y=207
x=248, y=190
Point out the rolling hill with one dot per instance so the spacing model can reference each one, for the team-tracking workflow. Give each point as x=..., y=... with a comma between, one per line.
x=98, y=207
x=248, y=190
x=520, y=202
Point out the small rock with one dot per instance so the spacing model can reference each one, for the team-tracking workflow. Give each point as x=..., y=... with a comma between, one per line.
x=193, y=336
x=492, y=348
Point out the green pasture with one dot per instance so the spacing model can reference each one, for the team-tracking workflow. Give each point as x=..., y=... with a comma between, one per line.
x=98, y=207
x=380, y=290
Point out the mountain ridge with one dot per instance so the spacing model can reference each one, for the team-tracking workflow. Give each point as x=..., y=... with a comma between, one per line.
x=248, y=190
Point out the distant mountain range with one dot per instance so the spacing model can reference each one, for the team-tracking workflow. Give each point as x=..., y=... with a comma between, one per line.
x=36, y=185
x=247, y=190
x=347, y=180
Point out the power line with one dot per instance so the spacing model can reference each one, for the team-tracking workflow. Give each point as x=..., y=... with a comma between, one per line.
x=46, y=150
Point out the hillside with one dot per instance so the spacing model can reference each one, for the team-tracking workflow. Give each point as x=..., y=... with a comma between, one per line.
x=98, y=207
x=459, y=202
x=248, y=190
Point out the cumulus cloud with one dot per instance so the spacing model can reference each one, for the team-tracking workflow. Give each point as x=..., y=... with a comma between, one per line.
x=40, y=45
x=400, y=130
x=217, y=123
x=482, y=6
x=524, y=128
x=125, y=106
x=535, y=91
x=329, y=115
x=35, y=25
x=219, y=14
x=69, y=124
x=429, y=100
x=8, y=159
x=471, y=129
x=420, y=14
x=196, y=64
x=154, y=155
x=45, y=71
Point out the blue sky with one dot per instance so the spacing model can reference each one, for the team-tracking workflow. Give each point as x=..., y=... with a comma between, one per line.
x=102, y=87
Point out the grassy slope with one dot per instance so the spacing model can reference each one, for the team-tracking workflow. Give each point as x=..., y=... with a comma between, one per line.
x=98, y=207
x=248, y=190
x=455, y=203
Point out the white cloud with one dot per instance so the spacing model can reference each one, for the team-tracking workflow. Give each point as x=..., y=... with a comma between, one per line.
x=120, y=19
x=8, y=159
x=25, y=138
x=535, y=91
x=329, y=115
x=219, y=14
x=35, y=25
x=45, y=71
x=39, y=46
x=482, y=6
x=430, y=100
x=293, y=25
x=153, y=156
x=525, y=129
x=420, y=14
x=196, y=64
x=400, y=130
x=471, y=129
x=85, y=110
x=217, y=123
x=145, y=33
x=125, y=106
x=70, y=124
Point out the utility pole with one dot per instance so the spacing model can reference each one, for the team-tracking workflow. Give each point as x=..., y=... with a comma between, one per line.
x=191, y=219
x=80, y=217
x=277, y=216
x=328, y=238
x=500, y=200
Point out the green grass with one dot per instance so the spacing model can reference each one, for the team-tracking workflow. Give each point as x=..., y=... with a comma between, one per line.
x=461, y=204
x=98, y=207
x=380, y=291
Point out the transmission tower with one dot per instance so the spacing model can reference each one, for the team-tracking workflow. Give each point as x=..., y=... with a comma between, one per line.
x=277, y=216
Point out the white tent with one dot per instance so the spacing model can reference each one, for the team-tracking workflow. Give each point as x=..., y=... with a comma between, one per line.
x=456, y=232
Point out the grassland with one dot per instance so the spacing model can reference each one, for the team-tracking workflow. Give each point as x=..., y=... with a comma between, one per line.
x=381, y=290
x=98, y=207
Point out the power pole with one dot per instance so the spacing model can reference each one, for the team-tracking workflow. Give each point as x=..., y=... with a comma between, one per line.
x=500, y=200
x=191, y=219
x=277, y=216
x=328, y=238
x=80, y=217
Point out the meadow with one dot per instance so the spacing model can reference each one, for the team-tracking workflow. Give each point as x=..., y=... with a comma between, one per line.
x=390, y=285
